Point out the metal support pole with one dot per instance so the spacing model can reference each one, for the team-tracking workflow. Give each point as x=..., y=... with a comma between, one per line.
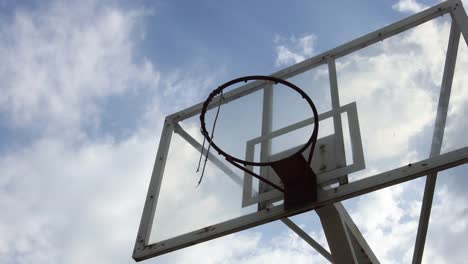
x=338, y=237
x=337, y=123
x=362, y=249
x=437, y=138
x=265, y=146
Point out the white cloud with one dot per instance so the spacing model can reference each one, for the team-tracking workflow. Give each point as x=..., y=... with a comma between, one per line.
x=187, y=87
x=383, y=219
x=389, y=220
x=294, y=50
x=59, y=64
x=448, y=227
x=410, y=6
x=455, y=135
x=68, y=200
x=80, y=207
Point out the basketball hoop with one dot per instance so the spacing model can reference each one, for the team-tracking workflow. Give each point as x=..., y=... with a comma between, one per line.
x=295, y=172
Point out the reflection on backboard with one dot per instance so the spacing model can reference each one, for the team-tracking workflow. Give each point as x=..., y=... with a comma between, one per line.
x=372, y=135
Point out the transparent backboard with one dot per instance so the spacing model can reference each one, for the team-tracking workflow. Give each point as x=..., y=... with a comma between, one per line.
x=377, y=127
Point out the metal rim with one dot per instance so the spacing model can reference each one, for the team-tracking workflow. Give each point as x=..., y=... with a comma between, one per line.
x=312, y=140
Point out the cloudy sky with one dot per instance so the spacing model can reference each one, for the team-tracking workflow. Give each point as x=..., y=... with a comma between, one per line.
x=85, y=87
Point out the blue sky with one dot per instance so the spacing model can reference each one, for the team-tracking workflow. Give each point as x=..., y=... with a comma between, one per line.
x=86, y=85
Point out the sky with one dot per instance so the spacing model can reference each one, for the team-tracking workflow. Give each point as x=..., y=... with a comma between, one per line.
x=86, y=86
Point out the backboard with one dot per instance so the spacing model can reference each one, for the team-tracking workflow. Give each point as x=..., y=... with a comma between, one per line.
x=377, y=128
